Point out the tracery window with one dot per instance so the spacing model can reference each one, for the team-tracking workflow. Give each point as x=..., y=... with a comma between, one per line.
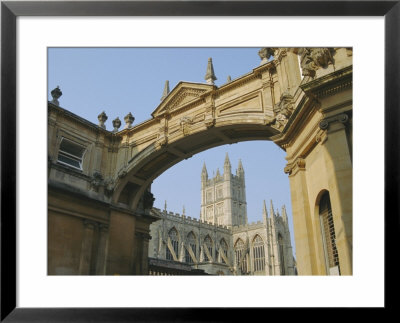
x=209, y=196
x=258, y=254
x=224, y=248
x=241, y=260
x=191, y=241
x=173, y=236
x=208, y=243
x=219, y=192
x=328, y=234
x=220, y=213
x=210, y=214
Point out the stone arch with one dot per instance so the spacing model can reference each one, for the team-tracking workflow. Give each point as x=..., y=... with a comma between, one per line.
x=143, y=168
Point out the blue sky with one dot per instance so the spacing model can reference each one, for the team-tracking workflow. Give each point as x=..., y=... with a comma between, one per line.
x=123, y=80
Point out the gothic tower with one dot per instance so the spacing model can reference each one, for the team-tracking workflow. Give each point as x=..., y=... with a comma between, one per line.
x=223, y=197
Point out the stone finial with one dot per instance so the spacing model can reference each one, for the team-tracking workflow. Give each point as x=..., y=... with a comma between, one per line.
x=265, y=213
x=129, y=118
x=284, y=214
x=116, y=124
x=56, y=93
x=102, y=117
x=210, y=75
x=166, y=90
x=271, y=210
x=183, y=210
x=265, y=54
x=229, y=79
x=204, y=171
x=165, y=206
x=240, y=170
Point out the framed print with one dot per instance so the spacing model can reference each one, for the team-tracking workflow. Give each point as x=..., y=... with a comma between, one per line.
x=78, y=235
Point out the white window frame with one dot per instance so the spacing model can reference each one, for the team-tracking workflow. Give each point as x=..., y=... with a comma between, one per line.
x=71, y=156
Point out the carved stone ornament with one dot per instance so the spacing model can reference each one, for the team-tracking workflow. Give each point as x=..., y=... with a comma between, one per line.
x=148, y=200
x=102, y=117
x=299, y=163
x=161, y=142
x=210, y=122
x=185, y=125
x=116, y=124
x=265, y=54
x=97, y=180
x=315, y=58
x=129, y=118
x=56, y=93
x=122, y=173
x=108, y=187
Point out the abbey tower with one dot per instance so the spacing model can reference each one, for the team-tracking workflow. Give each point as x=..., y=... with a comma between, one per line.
x=223, y=197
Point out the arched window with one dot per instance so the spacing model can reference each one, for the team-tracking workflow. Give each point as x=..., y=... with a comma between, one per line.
x=258, y=254
x=281, y=254
x=208, y=243
x=241, y=260
x=191, y=242
x=224, y=249
x=329, y=235
x=173, y=236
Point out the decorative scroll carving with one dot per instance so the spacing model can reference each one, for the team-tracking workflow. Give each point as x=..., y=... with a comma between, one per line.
x=314, y=58
x=342, y=118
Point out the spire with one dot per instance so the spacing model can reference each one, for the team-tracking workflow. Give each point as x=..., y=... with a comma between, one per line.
x=265, y=213
x=166, y=90
x=240, y=170
x=165, y=206
x=183, y=210
x=227, y=165
x=218, y=174
x=210, y=76
x=204, y=174
x=284, y=215
x=271, y=210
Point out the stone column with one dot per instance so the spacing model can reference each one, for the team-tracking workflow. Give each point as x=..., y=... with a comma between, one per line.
x=306, y=262
x=340, y=187
x=141, y=253
x=86, y=250
x=102, y=250
x=121, y=244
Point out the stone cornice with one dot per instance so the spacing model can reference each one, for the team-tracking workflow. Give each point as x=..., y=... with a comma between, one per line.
x=330, y=84
x=79, y=120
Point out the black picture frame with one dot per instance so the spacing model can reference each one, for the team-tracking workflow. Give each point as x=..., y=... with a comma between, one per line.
x=10, y=10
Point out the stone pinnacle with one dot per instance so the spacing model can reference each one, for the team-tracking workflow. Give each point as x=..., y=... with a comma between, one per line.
x=166, y=90
x=210, y=75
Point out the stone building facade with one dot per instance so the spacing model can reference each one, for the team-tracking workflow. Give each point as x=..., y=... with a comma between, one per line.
x=222, y=242
x=99, y=180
